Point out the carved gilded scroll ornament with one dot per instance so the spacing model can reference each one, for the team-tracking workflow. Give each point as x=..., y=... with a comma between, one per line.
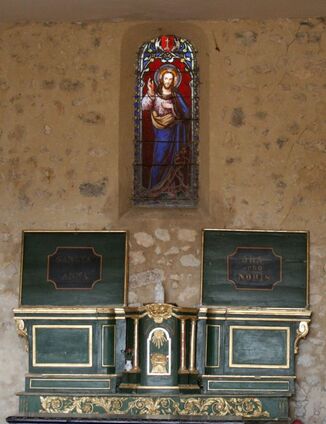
x=302, y=332
x=159, y=311
x=22, y=331
x=215, y=406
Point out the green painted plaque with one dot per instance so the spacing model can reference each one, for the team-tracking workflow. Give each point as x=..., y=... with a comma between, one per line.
x=74, y=268
x=255, y=268
x=62, y=346
x=259, y=347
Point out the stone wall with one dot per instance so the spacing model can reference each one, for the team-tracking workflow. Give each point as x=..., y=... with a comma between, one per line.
x=66, y=151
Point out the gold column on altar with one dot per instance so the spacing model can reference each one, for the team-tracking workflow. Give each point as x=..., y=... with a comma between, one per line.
x=163, y=338
x=192, y=367
x=183, y=368
x=135, y=367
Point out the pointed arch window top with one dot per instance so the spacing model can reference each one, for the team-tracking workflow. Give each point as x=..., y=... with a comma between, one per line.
x=166, y=124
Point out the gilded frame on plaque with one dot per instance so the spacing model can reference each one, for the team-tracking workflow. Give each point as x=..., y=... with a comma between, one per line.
x=83, y=248
x=229, y=271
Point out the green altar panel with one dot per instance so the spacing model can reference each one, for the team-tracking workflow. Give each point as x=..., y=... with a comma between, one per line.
x=91, y=268
x=255, y=268
x=259, y=346
x=62, y=345
x=73, y=350
x=249, y=350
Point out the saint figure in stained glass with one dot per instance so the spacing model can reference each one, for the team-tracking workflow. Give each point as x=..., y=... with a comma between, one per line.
x=166, y=124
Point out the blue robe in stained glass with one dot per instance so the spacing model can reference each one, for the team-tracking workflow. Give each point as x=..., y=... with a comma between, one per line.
x=170, y=115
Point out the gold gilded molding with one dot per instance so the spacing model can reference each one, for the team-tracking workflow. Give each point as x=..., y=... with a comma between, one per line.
x=70, y=375
x=233, y=310
x=213, y=406
x=183, y=367
x=65, y=312
x=192, y=359
x=135, y=366
x=159, y=311
x=55, y=318
x=276, y=377
x=22, y=331
x=268, y=311
x=302, y=332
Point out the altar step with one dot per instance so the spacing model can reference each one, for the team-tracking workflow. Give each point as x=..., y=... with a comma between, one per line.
x=180, y=388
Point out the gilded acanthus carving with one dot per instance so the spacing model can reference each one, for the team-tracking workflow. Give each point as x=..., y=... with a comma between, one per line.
x=214, y=406
x=302, y=332
x=159, y=311
x=22, y=331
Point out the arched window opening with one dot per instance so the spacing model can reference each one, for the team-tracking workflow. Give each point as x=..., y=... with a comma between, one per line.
x=166, y=124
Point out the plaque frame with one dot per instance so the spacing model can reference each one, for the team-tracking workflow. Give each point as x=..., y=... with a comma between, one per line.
x=99, y=234
x=267, y=232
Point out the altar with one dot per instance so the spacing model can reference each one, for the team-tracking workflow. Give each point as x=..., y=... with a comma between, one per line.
x=93, y=358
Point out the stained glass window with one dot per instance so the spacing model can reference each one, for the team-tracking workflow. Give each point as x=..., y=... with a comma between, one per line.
x=166, y=124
